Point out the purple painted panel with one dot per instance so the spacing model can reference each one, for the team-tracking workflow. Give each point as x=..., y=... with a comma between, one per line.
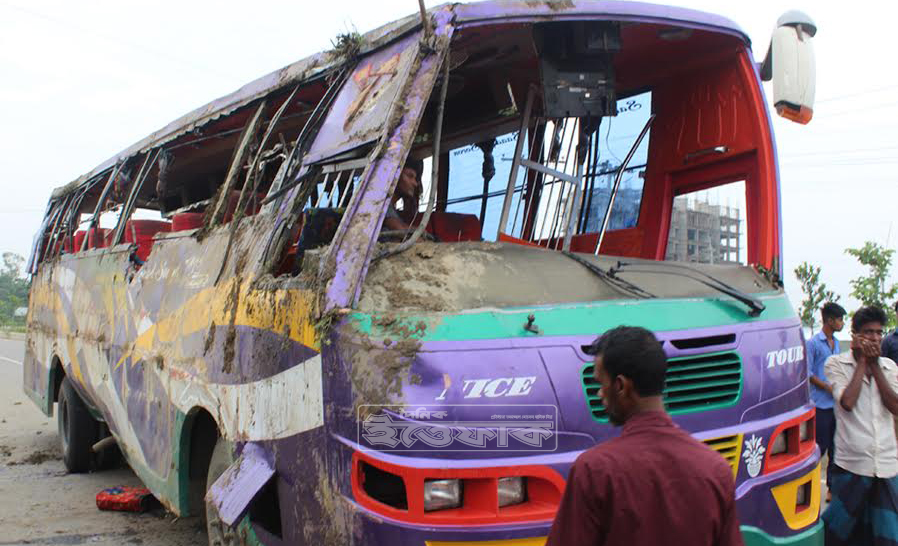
x=557, y=363
x=237, y=486
x=583, y=9
x=353, y=243
x=361, y=109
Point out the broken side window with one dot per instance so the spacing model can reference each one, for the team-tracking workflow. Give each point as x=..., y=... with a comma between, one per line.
x=325, y=191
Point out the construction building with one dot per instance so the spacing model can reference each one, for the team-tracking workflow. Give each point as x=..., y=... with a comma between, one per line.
x=704, y=233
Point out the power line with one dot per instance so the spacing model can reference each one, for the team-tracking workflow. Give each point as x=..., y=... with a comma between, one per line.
x=858, y=93
x=871, y=109
x=787, y=155
x=827, y=164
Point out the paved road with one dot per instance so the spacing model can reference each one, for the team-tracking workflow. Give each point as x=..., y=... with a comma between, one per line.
x=41, y=504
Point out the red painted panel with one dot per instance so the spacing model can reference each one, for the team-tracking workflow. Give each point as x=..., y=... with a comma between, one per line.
x=796, y=450
x=480, y=502
x=719, y=105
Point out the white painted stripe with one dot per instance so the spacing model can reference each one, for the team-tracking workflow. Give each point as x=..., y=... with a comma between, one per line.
x=10, y=360
x=275, y=407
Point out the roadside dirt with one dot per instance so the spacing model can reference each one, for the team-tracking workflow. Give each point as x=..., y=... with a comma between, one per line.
x=41, y=504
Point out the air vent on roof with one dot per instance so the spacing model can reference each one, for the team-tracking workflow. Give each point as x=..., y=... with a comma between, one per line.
x=707, y=341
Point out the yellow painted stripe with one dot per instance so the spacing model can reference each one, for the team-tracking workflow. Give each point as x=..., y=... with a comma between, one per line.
x=285, y=312
x=724, y=447
x=729, y=448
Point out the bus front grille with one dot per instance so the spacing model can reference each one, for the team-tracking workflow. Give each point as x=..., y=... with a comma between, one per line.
x=693, y=383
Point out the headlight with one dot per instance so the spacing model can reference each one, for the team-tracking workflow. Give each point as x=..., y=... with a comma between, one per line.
x=512, y=490
x=804, y=430
x=441, y=494
x=779, y=445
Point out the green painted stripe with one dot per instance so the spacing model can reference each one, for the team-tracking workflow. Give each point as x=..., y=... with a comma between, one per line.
x=580, y=319
x=810, y=537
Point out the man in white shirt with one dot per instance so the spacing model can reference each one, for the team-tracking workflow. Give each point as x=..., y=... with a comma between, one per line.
x=864, y=482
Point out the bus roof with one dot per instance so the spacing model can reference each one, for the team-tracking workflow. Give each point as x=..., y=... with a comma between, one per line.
x=473, y=14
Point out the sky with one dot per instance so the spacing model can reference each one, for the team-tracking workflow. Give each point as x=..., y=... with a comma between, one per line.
x=82, y=81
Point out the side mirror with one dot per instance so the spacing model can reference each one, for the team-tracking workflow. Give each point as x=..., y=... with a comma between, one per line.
x=790, y=64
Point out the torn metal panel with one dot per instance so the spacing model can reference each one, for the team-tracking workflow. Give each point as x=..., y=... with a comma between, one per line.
x=353, y=243
x=360, y=111
x=240, y=483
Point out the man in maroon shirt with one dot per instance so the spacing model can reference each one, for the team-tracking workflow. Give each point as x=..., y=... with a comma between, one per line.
x=653, y=484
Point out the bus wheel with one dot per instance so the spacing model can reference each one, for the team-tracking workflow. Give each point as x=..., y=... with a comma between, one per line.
x=220, y=534
x=77, y=429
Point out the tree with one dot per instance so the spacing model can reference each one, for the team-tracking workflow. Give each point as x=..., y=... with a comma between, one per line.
x=873, y=289
x=815, y=293
x=13, y=288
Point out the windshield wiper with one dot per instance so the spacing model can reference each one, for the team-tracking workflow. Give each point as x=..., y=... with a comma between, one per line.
x=754, y=304
x=608, y=277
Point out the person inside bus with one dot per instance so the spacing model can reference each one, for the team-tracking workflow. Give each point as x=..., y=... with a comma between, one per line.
x=817, y=349
x=864, y=480
x=653, y=484
x=408, y=191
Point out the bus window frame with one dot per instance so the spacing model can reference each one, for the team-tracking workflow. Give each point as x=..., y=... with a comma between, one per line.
x=149, y=161
x=711, y=175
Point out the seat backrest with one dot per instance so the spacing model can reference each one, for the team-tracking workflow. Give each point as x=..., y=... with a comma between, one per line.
x=79, y=240
x=250, y=207
x=450, y=227
x=620, y=242
x=97, y=237
x=141, y=233
x=187, y=220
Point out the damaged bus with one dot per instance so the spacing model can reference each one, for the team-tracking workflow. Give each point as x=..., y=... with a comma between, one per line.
x=223, y=302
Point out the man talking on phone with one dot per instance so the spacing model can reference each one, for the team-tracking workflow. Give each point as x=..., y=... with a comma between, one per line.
x=864, y=480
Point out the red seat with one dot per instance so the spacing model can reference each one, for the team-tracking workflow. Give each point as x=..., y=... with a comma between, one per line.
x=141, y=233
x=97, y=237
x=63, y=246
x=450, y=227
x=187, y=220
x=79, y=240
x=250, y=207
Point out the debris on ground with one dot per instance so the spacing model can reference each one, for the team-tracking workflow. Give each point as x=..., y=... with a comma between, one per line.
x=126, y=499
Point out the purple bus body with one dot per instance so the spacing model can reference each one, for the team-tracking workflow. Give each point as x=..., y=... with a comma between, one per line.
x=553, y=364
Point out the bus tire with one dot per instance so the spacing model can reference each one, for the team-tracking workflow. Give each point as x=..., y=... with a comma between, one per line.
x=77, y=429
x=220, y=534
